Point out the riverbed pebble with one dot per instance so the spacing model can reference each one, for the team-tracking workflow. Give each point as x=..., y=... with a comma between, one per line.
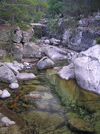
x=5, y=94
x=14, y=85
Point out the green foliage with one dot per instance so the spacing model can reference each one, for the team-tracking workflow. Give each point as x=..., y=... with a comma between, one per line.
x=73, y=7
x=52, y=25
x=22, y=10
x=55, y=7
x=98, y=40
x=7, y=58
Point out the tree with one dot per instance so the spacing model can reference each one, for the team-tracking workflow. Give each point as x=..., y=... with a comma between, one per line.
x=55, y=7
x=19, y=11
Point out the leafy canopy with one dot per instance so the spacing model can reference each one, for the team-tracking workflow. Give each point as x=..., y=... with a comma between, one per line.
x=19, y=11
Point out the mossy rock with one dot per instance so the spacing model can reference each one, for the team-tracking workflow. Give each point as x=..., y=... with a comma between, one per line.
x=97, y=127
x=13, y=129
x=90, y=106
x=45, y=122
x=79, y=125
x=71, y=115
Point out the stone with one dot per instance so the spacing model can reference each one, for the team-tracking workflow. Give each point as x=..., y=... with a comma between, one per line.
x=83, y=22
x=25, y=76
x=26, y=64
x=19, y=66
x=81, y=38
x=87, y=73
x=31, y=50
x=14, y=85
x=54, y=41
x=79, y=125
x=66, y=37
x=11, y=67
x=92, y=52
x=7, y=121
x=46, y=41
x=44, y=121
x=54, y=52
x=25, y=36
x=45, y=63
x=47, y=96
x=17, y=36
x=29, y=60
x=5, y=94
x=33, y=25
x=67, y=72
x=18, y=51
x=6, y=75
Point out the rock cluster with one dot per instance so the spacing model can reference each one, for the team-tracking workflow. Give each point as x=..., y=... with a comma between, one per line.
x=10, y=73
x=85, y=68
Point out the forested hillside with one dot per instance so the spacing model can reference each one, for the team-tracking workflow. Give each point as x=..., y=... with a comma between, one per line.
x=19, y=11
x=73, y=7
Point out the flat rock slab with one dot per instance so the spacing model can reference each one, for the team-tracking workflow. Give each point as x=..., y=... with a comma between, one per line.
x=25, y=76
x=80, y=125
x=29, y=60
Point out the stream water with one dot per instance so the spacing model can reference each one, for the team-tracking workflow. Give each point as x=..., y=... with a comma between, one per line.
x=37, y=103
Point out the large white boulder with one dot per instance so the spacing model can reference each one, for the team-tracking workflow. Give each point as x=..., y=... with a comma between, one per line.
x=87, y=73
x=92, y=52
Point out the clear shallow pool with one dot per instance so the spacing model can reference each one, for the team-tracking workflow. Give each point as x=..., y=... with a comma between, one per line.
x=41, y=106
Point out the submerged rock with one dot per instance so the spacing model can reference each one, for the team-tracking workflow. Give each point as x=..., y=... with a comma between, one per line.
x=47, y=96
x=80, y=125
x=45, y=122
